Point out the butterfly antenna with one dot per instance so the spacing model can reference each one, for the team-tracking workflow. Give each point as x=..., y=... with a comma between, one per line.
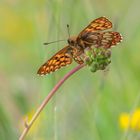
x=68, y=28
x=47, y=43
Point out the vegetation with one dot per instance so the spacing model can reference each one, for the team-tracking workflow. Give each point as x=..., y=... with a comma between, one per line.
x=88, y=105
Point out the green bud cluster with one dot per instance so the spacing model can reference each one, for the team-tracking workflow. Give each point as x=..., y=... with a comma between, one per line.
x=97, y=58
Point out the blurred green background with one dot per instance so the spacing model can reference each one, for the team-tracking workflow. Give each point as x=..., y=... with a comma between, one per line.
x=88, y=105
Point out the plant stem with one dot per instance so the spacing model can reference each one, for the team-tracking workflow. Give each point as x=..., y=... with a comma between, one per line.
x=46, y=100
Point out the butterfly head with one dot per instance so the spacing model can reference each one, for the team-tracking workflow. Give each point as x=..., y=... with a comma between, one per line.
x=72, y=41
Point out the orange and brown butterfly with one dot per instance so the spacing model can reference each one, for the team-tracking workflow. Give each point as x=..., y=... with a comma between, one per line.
x=95, y=34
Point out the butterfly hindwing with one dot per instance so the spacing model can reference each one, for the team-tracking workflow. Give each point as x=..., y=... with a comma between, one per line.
x=103, y=39
x=110, y=38
x=59, y=60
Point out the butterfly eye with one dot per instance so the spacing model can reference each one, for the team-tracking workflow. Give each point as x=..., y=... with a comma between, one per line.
x=71, y=42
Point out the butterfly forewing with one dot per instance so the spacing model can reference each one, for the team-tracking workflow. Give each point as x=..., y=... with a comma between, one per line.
x=59, y=60
x=98, y=24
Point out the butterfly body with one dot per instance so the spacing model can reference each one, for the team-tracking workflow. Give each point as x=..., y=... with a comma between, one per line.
x=94, y=35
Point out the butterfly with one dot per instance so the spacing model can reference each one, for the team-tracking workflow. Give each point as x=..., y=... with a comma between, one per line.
x=95, y=34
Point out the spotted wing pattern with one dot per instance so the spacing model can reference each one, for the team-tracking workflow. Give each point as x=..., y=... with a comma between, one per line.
x=76, y=53
x=103, y=39
x=98, y=24
x=110, y=38
x=59, y=60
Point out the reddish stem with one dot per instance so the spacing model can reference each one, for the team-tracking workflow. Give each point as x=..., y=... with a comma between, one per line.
x=46, y=100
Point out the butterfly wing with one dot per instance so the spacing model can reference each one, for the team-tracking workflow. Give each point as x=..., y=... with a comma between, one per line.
x=110, y=39
x=91, y=35
x=98, y=24
x=103, y=39
x=59, y=60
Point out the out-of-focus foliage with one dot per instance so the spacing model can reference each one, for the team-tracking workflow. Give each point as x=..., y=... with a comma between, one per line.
x=89, y=104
